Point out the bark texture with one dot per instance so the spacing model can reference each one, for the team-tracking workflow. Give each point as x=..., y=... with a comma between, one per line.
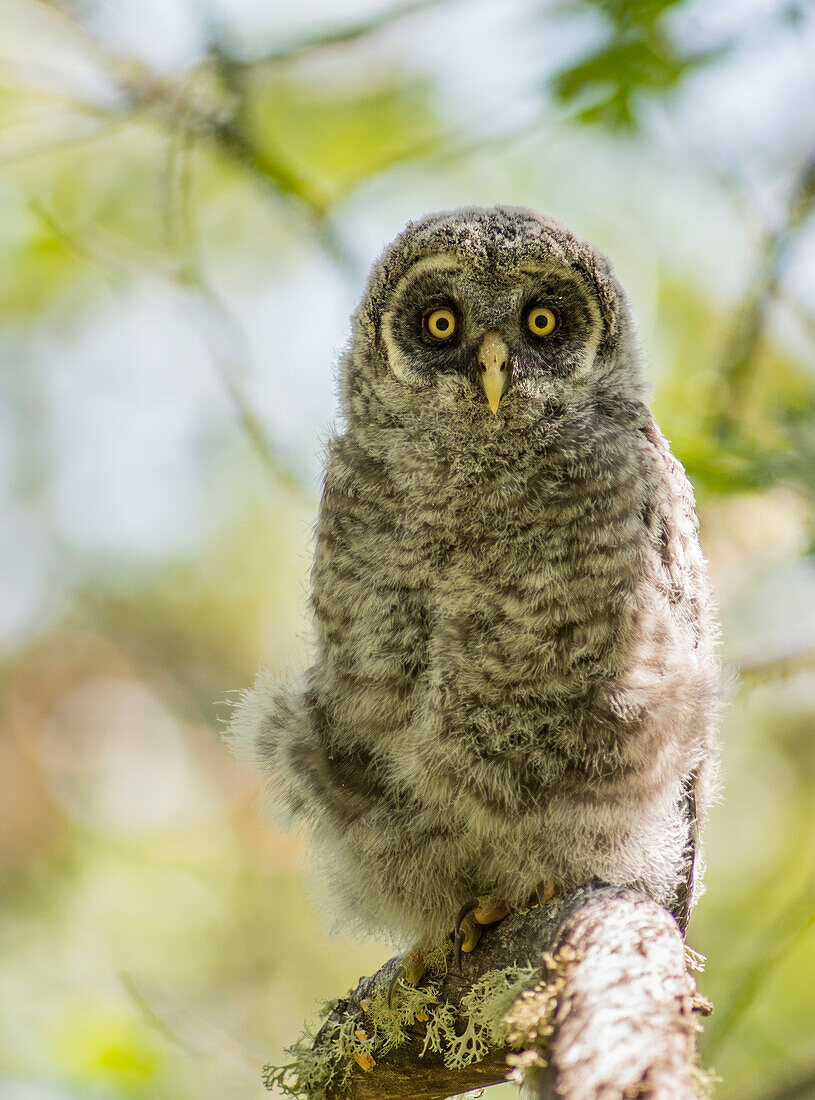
x=625, y=1023
x=612, y=1015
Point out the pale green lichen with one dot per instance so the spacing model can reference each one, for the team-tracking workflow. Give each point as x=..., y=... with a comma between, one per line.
x=470, y=1046
x=491, y=1021
x=381, y=1029
x=491, y=998
x=410, y=1003
x=704, y=1081
x=513, y=1007
x=441, y=1025
x=307, y=1075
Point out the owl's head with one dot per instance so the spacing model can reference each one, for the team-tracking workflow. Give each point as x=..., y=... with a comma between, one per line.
x=493, y=313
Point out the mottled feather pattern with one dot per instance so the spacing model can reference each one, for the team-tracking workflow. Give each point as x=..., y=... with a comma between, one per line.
x=515, y=670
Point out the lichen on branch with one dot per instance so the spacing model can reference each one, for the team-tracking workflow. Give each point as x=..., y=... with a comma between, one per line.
x=462, y=1034
x=591, y=997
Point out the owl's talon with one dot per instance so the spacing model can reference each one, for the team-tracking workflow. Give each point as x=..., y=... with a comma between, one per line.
x=471, y=932
x=466, y=908
x=411, y=968
x=472, y=918
x=460, y=931
x=467, y=936
x=400, y=972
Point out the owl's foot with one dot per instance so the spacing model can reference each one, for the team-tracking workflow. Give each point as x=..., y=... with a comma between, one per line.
x=411, y=969
x=487, y=909
x=473, y=918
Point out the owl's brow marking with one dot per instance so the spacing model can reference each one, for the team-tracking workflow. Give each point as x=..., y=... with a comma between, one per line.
x=561, y=270
x=439, y=262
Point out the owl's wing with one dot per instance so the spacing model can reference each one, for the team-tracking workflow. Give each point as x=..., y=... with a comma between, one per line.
x=682, y=574
x=674, y=529
x=312, y=776
x=685, y=891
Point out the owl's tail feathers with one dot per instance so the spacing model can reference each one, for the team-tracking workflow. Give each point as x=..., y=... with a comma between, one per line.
x=266, y=721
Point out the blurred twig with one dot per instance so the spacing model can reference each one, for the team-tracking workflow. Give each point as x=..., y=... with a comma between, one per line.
x=74, y=27
x=342, y=35
x=224, y=336
x=102, y=130
x=189, y=1031
x=739, y=357
x=765, y=670
x=178, y=108
x=123, y=258
x=189, y=104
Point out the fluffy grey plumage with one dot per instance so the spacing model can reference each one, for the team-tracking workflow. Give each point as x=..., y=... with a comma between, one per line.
x=514, y=676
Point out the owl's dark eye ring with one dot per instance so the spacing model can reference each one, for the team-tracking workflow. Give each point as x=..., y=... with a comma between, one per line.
x=440, y=323
x=543, y=320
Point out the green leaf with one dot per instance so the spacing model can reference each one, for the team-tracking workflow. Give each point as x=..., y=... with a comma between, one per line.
x=337, y=138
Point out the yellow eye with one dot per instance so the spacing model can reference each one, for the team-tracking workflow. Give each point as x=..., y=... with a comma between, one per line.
x=440, y=323
x=542, y=320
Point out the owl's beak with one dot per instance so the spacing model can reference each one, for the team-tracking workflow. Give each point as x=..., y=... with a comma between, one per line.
x=493, y=364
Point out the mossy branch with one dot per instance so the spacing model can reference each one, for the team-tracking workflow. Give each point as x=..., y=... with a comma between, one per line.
x=584, y=999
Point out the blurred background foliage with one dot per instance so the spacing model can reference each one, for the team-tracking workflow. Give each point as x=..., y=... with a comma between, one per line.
x=191, y=191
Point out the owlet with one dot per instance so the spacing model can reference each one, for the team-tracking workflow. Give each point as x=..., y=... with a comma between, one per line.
x=515, y=685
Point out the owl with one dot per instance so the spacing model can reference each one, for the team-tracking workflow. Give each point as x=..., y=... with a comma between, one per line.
x=515, y=685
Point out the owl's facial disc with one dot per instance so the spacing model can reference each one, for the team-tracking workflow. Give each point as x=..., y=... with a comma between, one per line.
x=519, y=334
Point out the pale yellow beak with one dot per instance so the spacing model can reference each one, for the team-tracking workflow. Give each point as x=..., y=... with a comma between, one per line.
x=493, y=363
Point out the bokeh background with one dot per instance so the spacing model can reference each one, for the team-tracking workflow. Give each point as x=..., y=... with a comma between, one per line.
x=190, y=194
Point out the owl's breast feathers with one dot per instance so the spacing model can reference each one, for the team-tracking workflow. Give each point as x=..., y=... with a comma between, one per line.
x=514, y=667
x=538, y=610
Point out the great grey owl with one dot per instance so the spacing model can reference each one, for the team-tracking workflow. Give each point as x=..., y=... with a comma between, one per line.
x=515, y=685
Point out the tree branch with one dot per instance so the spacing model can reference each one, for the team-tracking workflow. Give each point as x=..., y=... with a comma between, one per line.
x=101, y=247
x=189, y=104
x=592, y=999
x=340, y=35
x=739, y=355
x=766, y=670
